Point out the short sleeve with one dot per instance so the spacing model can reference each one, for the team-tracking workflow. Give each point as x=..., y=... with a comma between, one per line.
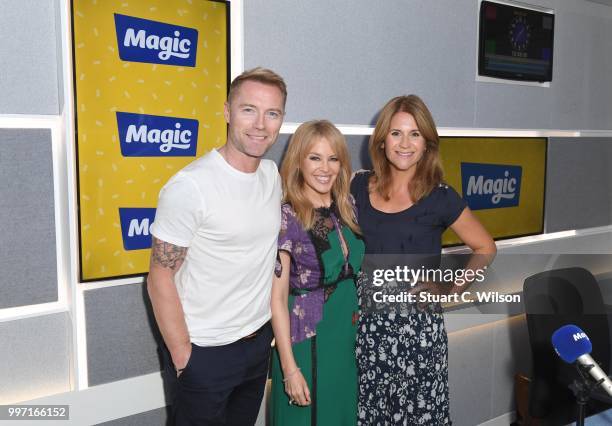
x=288, y=231
x=286, y=236
x=354, y=207
x=359, y=186
x=452, y=205
x=179, y=211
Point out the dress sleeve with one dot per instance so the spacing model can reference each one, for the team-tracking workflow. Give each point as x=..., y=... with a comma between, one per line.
x=354, y=206
x=452, y=205
x=359, y=186
x=287, y=235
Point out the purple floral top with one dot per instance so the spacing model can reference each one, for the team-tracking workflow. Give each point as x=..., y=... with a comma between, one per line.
x=305, y=276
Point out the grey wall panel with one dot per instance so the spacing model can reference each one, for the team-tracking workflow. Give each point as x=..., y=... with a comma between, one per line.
x=121, y=334
x=57, y=6
x=358, y=148
x=470, y=373
x=343, y=60
x=28, y=262
x=569, y=86
x=509, y=106
x=583, y=55
x=29, y=79
x=35, y=354
x=511, y=355
x=606, y=2
x=581, y=244
x=578, y=183
x=157, y=417
x=598, y=71
x=277, y=151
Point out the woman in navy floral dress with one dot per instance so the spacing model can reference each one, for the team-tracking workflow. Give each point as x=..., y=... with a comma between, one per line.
x=403, y=208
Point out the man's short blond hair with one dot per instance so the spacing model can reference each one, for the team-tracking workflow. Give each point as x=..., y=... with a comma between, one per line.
x=260, y=75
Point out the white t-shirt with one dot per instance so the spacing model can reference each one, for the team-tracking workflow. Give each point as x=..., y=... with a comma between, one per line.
x=230, y=221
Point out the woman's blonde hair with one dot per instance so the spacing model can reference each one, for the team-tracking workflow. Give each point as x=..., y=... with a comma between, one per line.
x=293, y=181
x=428, y=172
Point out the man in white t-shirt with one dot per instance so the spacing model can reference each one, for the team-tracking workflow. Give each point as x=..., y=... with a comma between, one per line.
x=212, y=260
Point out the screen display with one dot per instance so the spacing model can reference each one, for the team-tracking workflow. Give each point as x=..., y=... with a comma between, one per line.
x=515, y=43
x=502, y=180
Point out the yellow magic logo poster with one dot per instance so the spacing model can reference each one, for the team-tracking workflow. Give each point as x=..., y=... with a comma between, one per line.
x=502, y=180
x=151, y=78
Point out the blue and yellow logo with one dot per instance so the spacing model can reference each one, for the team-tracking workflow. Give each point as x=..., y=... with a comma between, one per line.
x=490, y=186
x=150, y=79
x=136, y=227
x=142, y=135
x=143, y=40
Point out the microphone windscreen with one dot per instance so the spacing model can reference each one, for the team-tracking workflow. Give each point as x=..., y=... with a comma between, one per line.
x=570, y=342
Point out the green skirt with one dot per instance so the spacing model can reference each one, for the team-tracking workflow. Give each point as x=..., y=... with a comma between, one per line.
x=327, y=362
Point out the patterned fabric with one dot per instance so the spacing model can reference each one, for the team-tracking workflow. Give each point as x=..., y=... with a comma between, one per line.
x=416, y=230
x=403, y=359
x=305, y=278
x=403, y=370
x=327, y=360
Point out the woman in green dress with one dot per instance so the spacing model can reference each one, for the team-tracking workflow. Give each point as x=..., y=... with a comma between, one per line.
x=314, y=299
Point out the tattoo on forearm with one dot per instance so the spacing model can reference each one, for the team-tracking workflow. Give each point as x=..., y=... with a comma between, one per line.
x=167, y=255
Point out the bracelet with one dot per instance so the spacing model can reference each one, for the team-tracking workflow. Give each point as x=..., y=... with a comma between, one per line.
x=287, y=376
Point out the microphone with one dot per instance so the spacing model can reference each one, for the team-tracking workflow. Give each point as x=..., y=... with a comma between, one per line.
x=573, y=346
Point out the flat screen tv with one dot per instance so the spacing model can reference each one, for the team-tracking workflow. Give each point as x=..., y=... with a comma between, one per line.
x=515, y=43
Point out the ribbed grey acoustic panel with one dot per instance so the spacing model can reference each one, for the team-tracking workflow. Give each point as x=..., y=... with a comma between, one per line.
x=581, y=85
x=598, y=71
x=277, y=151
x=578, y=183
x=482, y=362
x=511, y=355
x=35, y=357
x=57, y=5
x=27, y=218
x=512, y=106
x=470, y=375
x=606, y=2
x=121, y=332
x=343, y=59
x=570, y=96
x=29, y=77
x=157, y=417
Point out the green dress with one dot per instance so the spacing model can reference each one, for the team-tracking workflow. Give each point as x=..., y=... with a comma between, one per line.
x=323, y=310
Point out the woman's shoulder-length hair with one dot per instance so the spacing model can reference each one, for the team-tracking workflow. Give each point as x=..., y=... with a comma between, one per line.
x=429, y=173
x=293, y=180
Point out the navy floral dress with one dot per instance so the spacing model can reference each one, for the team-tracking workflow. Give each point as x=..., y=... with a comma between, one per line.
x=402, y=358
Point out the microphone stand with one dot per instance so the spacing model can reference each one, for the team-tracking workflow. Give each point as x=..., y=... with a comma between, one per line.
x=583, y=390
